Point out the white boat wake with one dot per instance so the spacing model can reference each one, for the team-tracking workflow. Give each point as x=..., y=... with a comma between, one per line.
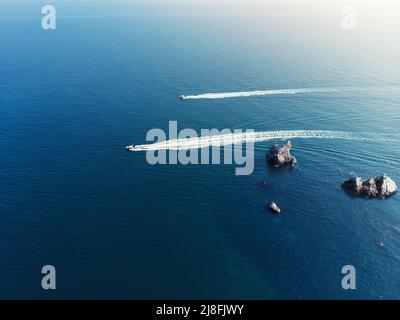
x=224, y=95
x=241, y=137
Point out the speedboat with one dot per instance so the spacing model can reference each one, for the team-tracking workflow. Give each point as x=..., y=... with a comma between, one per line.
x=130, y=148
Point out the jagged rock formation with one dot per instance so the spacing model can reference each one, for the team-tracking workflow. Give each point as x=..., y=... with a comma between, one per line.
x=380, y=187
x=279, y=156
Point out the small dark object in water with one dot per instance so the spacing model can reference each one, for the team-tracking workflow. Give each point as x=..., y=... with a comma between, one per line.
x=263, y=184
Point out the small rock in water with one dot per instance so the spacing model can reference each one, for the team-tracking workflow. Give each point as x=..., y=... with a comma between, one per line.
x=279, y=156
x=263, y=184
x=380, y=187
x=274, y=208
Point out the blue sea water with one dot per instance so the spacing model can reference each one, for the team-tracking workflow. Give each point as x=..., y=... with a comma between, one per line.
x=115, y=227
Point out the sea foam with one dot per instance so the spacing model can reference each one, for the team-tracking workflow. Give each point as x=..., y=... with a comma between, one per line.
x=240, y=137
x=224, y=95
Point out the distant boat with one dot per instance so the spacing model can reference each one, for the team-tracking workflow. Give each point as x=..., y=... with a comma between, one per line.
x=130, y=148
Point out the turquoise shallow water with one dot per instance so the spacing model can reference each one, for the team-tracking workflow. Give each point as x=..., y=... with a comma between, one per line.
x=115, y=227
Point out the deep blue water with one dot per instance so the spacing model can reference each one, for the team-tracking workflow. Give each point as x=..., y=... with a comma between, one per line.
x=113, y=226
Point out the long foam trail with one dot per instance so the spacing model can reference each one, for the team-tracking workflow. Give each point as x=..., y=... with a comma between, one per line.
x=224, y=95
x=240, y=137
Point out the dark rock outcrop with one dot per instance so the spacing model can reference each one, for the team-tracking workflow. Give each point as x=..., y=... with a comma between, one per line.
x=380, y=187
x=279, y=156
x=274, y=208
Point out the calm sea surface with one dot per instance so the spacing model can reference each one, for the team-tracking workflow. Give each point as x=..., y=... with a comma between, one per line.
x=113, y=226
